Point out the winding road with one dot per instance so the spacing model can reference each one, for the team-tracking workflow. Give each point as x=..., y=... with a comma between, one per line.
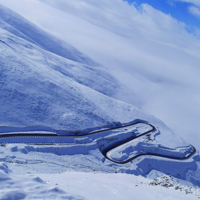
x=54, y=138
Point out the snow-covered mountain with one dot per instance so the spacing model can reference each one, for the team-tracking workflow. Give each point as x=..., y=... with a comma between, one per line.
x=47, y=84
x=150, y=52
x=47, y=81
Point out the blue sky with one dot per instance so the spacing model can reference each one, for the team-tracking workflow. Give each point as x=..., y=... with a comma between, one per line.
x=187, y=11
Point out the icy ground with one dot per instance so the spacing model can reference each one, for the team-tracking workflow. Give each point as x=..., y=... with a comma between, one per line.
x=90, y=186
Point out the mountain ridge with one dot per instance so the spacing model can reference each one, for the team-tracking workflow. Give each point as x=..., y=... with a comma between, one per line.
x=21, y=27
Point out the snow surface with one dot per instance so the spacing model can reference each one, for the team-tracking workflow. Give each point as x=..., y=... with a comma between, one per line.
x=64, y=102
x=86, y=186
x=48, y=86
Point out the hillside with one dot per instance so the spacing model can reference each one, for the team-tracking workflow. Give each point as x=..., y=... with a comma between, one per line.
x=48, y=82
x=150, y=52
x=60, y=108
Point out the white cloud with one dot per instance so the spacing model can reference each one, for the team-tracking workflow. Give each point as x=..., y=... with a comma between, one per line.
x=193, y=8
x=197, y=32
x=194, y=11
x=194, y=2
x=171, y=2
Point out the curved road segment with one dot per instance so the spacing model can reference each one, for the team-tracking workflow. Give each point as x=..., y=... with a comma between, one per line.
x=104, y=151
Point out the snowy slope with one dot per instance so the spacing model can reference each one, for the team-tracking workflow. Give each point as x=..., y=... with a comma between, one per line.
x=46, y=83
x=29, y=66
x=88, y=186
x=47, y=89
x=22, y=28
x=147, y=50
